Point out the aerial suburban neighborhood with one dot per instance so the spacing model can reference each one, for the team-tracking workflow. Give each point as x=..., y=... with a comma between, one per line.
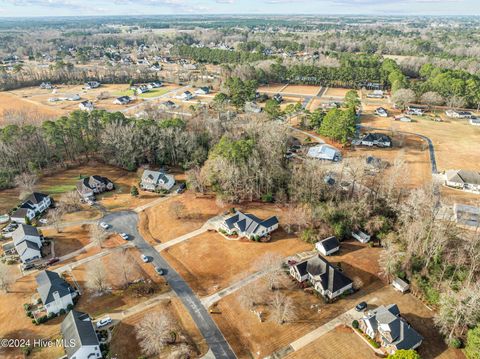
x=198, y=185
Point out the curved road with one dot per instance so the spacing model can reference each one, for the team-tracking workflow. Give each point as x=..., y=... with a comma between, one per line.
x=126, y=221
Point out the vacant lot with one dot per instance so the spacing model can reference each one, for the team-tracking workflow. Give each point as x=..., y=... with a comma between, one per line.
x=37, y=112
x=274, y=88
x=308, y=90
x=161, y=223
x=126, y=346
x=455, y=141
x=334, y=345
x=336, y=92
x=68, y=239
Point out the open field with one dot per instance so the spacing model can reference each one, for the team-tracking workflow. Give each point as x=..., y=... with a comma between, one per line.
x=37, y=111
x=308, y=90
x=251, y=338
x=159, y=224
x=69, y=239
x=274, y=88
x=124, y=345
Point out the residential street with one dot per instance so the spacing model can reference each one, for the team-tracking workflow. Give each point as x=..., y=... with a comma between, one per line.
x=126, y=221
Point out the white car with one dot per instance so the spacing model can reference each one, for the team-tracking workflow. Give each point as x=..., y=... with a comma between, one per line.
x=103, y=322
x=90, y=202
x=144, y=258
x=104, y=225
x=124, y=236
x=43, y=221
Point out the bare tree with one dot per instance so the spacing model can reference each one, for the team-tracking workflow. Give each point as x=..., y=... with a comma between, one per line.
x=70, y=201
x=54, y=217
x=252, y=295
x=98, y=235
x=403, y=97
x=25, y=182
x=432, y=98
x=271, y=265
x=97, y=279
x=6, y=278
x=283, y=309
x=455, y=102
x=155, y=331
x=125, y=269
x=178, y=209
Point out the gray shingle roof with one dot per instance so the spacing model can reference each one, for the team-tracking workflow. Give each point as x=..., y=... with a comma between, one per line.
x=329, y=243
x=330, y=277
x=23, y=246
x=23, y=230
x=248, y=223
x=77, y=330
x=49, y=282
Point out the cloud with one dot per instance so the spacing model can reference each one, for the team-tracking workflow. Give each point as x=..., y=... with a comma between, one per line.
x=225, y=1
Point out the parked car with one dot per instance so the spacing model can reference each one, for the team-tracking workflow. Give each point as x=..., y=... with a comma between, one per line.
x=43, y=221
x=104, y=225
x=28, y=266
x=181, y=188
x=145, y=259
x=360, y=307
x=103, y=322
x=159, y=270
x=90, y=202
x=124, y=236
x=53, y=261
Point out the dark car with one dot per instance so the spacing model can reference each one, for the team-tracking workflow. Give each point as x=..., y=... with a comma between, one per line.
x=360, y=307
x=181, y=188
x=53, y=261
x=28, y=266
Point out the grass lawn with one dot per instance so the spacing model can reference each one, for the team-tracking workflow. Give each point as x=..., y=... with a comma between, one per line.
x=154, y=93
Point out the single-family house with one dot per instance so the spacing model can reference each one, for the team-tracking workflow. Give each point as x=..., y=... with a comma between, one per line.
x=360, y=236
x=202, y=91
x=74, y=97
x=466, y=215
x=155, y=180
x=86, y=105
x=80, y=339
x=28, y=243
x=168, y=105
x=46, y=86
x=324, y=152
x=91, y=85
x=458, y=114
x=185, y=96
x=154, y=85
x=56, y=293
x=376, y=139
x=88, y=187
x=325, y=278
x=328, y=246
x=385, y=325
x=122, y=100
x=248, y=225
x=33, y=205
x=400, y=285
x=142, y=89
x=375, y=94
x=463, y=179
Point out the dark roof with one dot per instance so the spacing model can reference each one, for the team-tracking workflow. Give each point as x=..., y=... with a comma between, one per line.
x=20, y=213
x=329, y=243
x=49, y=282
x=377, y=137
x=330, y=277
x=302, y=268
x=77, y=330
x=90, y=182
x=24, y=245
x=36, y=197
x=248, y=223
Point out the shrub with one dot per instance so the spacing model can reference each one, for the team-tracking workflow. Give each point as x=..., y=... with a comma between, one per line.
x=267, y=197
x=455, y=343
x=26, y=306
x=51, y=315
x=26, y=350
x=69, y=307
x=355, y=324
x=29, y=314
x=62, y=311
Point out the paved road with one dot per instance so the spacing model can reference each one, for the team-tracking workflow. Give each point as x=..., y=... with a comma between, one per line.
x=126, y=221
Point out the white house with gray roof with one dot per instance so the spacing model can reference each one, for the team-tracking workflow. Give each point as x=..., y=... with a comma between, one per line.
x=462, y=179
x=28, y=243
x=325, y=278
x=80, y=340
x=155, y=180
x=248, y=225
x=385, y=325
x=56, y=293
x=33, y=205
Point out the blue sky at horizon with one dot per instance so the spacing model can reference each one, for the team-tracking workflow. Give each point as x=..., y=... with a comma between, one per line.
x=22, y=8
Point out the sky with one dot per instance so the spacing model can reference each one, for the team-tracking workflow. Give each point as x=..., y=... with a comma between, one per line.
x=23, y=8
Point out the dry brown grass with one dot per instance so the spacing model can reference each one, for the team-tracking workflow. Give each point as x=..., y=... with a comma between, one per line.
x=308, y=90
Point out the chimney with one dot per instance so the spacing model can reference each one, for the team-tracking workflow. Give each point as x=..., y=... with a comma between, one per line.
x=331, y=274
